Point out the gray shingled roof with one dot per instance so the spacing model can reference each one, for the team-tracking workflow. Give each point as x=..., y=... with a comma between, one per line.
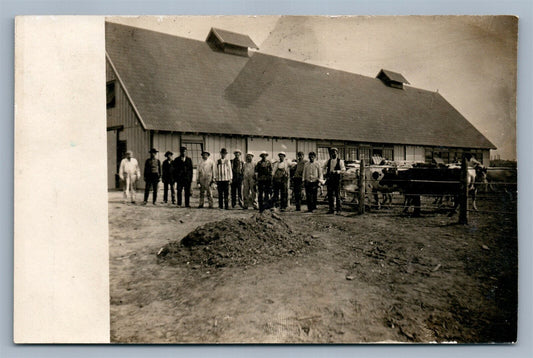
x=182, y=85
x=233, y=38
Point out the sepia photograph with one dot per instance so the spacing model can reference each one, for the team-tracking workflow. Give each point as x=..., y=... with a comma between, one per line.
x=312, y=179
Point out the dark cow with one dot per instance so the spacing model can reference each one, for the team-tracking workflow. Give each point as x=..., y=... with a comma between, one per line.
x=429, y=180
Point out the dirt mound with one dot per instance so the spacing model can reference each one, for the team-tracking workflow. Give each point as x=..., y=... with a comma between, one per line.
x=237, y=242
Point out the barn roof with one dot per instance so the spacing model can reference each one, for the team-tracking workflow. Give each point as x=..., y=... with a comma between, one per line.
x=180, y=84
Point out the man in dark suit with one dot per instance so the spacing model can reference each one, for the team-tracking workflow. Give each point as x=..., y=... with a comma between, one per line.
x=152, y=174
x=183, y=176
x=168, y=179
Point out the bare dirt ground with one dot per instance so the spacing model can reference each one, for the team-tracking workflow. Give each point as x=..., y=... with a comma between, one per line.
x=381, y=277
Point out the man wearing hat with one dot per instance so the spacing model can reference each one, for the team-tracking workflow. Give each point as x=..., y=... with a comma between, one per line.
x=167, y=177
x=248, y=183
x=206, y=174
x=129, y=173
x=297, y=179
x=152, y=174
x=223, y=177
x=334, y=168
x=312, y=177
x=183, y=176
x=237, y=166
x=280, y=181
x=263, y=173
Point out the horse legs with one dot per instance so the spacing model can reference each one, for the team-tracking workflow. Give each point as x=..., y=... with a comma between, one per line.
x=376, y=198
x=455, y=205
x=438, y=200
x=387, y=198
x=407, y=202
x=417, y=204
x=473, y=193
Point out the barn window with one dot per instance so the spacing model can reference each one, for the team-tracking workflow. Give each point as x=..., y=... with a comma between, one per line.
x=323, y=153
x=110, y=92
x=455, y=155
x=194, y=151
x=351, y=154
x=388, y=153
x=364, y=153
x=383, y=152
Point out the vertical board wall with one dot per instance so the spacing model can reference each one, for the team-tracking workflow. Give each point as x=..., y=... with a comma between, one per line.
x=137, y=139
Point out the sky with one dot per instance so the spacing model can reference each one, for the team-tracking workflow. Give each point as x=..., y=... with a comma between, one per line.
x=470, y=60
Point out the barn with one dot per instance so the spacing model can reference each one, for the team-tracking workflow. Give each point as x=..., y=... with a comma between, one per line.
x=165, y=91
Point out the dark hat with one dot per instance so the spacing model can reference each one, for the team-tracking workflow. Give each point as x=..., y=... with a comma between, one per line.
x=182, y=149
x=168, y=153
x=206, y=152
x=312, y=154
x=224, y=151
x=153, y=150
x=300, y=153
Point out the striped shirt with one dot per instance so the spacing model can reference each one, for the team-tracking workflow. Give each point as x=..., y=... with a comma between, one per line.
x=223, y=170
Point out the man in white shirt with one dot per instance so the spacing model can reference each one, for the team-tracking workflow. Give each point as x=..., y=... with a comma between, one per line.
x=129, y=173
x=334, y=168
x=312, y=177
x=206, y=174
x=280, y=182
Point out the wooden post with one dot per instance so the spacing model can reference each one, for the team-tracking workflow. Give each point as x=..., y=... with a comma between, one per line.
x=463, y=195
x=361, y=184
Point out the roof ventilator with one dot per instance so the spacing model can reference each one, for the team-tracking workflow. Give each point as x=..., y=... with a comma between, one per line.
x=230, y=42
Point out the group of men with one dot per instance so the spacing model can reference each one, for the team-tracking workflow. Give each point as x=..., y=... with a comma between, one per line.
x=262, y=185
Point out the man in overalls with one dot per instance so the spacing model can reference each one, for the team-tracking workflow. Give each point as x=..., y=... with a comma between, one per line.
x=206, y=177
x=236, y=183
x=249, y=184
x=263, y=172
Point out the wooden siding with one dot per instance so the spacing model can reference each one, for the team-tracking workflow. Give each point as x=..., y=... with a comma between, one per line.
x=167, y=141
x=111, y=158
x=137, y=139
x=306, y=146
x=284, y=145
x=256, y=145
x=486, y=158
x=214, y=143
